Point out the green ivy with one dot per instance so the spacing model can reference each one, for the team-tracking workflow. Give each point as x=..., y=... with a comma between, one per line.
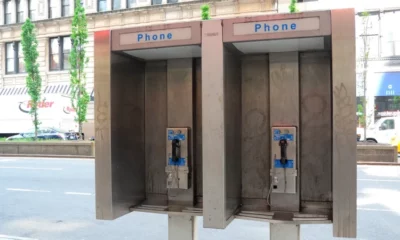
x=293, y=6
x=33, y=80
x=78, y=60
x=205, y=12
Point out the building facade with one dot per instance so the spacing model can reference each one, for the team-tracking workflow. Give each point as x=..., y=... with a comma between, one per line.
x=52, y=19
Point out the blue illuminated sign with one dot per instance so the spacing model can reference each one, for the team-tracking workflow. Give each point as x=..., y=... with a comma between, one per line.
x=275, y=27
x=386, y=84
x=146, y=37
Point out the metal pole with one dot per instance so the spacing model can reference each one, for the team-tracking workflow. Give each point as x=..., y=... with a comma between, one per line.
x=182, y=227
x=284, y=231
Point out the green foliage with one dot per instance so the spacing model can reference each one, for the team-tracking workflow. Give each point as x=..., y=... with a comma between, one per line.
x=33, y=80
x=205, y=12
x=293, y=6
x=78, y=60
x=361, y=119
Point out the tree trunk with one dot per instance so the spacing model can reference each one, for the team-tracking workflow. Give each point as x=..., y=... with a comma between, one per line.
x=36, y=123
x=80, y=131
x=365, y=101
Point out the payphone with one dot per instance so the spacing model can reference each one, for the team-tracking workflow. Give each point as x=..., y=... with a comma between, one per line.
x=284, y=160
x=177, y=168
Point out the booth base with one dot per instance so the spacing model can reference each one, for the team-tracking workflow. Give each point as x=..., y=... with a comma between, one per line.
x=284, y=232
x=284, y=217
x=182, y=228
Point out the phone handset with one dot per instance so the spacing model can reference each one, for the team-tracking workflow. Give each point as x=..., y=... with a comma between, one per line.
x=283, y=145
x=176, y=150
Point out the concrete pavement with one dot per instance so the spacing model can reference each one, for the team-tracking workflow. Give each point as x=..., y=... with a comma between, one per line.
x=53, y=199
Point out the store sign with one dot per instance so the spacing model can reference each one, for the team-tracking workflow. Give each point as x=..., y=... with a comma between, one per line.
x=290, y=25
x=26, y=106
x=156, y=36
x=389, y=114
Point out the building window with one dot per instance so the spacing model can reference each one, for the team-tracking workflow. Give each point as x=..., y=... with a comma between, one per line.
x=52, y=8
x=20, y=11
x=156, y=2
x=390, y=34
x=65, y=8
x=14, y=58
x=7, y=12
x=131, y=3
x=32, y=9
x=60, y=48
x=116, y=4
x=102, y=5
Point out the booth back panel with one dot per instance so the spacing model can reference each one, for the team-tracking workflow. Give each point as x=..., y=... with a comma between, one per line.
x=316, y=127
x=255, y=131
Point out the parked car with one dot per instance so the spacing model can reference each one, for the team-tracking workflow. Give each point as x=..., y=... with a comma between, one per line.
x=45, y=133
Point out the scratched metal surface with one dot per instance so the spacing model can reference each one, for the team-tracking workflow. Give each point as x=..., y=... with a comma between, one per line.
x=155, y=126
x=255, y=131
x=180, y=114
x=284, y=107
x=127, y=132
x=316, y=126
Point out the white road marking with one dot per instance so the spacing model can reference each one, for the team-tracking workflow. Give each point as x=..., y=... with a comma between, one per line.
x=8, y=160
x=26, y=190
x=375, y=210
x=78, y=193
x=32, y=168
x=7, y=237
x=379, y=180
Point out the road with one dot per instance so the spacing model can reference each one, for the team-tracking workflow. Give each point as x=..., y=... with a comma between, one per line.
x=53, y=199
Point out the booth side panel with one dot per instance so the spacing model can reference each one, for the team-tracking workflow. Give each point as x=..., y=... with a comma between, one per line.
x=284, y=107
x=127, y=131
x=233, y=132
x=214, y=191
x=180, y=114
x=344, y=123
x=255, y=131
x=103, y=165
x=155, y=128
x=198, y=143
x=316, y=125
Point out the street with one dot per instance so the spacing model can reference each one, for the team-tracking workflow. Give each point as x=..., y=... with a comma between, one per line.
x=53, y=199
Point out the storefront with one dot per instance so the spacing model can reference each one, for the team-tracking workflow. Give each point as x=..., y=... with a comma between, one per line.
x=386, y=89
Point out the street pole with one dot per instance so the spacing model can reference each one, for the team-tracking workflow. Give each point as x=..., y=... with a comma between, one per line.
x=284, y=231
x=182, y=227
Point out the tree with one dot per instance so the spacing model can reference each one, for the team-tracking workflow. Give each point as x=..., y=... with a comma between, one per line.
x=205, y=12
x=78, y=60
x=293, y=6
x=366, y=25
x=33, y=80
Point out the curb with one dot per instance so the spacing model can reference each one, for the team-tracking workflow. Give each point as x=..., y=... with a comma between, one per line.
x=45, y=156
x=379, y=163
x=92, y=157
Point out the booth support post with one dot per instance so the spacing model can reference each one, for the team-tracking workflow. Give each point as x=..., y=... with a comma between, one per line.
x=278, y=231
x=182, y=227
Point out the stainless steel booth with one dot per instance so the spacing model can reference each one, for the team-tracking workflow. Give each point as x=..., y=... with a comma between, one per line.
x=247, y=117
x=148, y=120
x=281, y=144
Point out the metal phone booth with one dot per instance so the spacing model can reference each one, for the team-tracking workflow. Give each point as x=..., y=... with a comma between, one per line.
x=148, y=123
x=280, y=146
